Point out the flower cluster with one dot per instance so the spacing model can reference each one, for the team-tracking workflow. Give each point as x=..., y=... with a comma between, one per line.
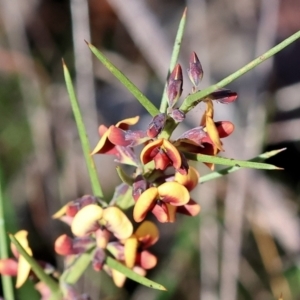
x=163, y=177
x=160, y=184
x=105, y=229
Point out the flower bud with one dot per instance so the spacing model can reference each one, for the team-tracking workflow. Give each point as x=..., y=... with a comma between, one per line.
x=195, y=72
x=64, y=245
x=156, y=125
x=177, y=115
x=174, y=88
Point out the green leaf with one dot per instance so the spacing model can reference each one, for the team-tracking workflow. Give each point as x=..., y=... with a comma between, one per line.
x=131, y=87
x=77, y=268
x=174, y=58
x=114, y=264
x=230, y=162
x=7, y=284
x=97, y=190
x=220, y=173
x=193, y=99
x=37, y=269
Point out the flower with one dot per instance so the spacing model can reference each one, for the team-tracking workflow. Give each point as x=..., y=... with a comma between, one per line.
x=117, y=140
x=161, y=201
x=164, y=154
x=93, y=217
x=108, y=141
x=190, y=181
x=18, y=266
x=69, y=210
x=197, y=140
x=133, y=253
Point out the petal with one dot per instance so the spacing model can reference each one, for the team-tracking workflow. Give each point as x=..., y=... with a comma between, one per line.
x=124, y=124
x=172, y=153
x=192, y=208
x=136, y=137
x=61, y=212
x=8, y=266
x=102, y=129
x=195, y=136
x=44, y=290
x=139, y=271
x=23, y=268
x=104, y=145
x=102, y=238
x=87, y=220
x=21, y=236
x=118, y=278
x=144, y=204
x=147, y=234
x=171, y=212
x=190, y=180
x=213, y=133
x=173, y=193
x=225, y=128
x=63, y=245
x=160, y=211
x=209, y=109
x=130, y=251
x=224, y=96
x=147, y=260
x=118, y=136
x=147, y=154
x=117, y=222
x=161, y=160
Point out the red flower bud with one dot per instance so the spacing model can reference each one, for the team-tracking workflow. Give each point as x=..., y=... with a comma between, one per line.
x=195, y=71
x=174, y=88
x=156, y=125
x=177, y=114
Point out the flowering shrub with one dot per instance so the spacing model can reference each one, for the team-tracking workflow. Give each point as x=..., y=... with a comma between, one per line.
x=160, y=184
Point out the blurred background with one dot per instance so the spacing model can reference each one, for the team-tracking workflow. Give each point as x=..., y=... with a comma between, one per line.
x=246, y=242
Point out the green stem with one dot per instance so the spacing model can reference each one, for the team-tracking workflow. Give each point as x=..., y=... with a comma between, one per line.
x=193, y=99
x=7, y=284
x=96, y=187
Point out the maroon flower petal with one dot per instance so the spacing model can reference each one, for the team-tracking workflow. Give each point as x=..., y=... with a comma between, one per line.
x=118, y=136
x=225, y=128
x=192, y=208
x=223, y=96
x=160, y=211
